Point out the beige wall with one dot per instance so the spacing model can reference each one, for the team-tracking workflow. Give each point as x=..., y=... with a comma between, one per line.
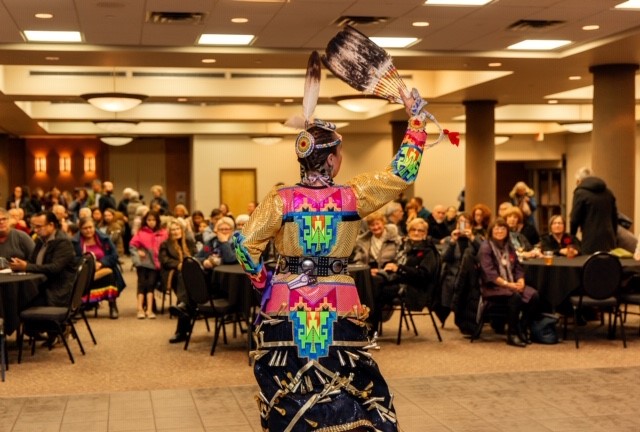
x=440, y=180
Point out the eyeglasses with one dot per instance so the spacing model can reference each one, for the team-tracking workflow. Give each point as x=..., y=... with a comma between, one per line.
x=36, y=227
x=224, y=229
x=417, y=230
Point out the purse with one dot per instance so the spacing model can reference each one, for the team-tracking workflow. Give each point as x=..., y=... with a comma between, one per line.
x=102, y=272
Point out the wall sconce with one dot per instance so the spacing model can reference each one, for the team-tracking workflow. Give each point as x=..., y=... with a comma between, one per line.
x=89, y=164
x=65, y=164
x=41, y=164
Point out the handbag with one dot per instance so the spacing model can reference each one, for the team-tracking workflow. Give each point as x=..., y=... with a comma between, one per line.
x=543, y=331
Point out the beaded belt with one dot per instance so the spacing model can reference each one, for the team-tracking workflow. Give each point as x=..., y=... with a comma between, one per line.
x=313, y=266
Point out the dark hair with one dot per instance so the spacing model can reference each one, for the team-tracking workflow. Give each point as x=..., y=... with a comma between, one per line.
x=318, y=157
x=156, y=216
x=498, y=222
x=197, y=213
x=50, y=217
x=215, y=212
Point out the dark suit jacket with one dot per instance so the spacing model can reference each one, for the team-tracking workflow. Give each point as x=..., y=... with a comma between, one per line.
x=59, y=266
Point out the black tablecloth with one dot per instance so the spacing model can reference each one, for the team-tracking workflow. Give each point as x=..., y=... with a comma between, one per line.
x=555, y=282
x=361, y=275
x=16, y=292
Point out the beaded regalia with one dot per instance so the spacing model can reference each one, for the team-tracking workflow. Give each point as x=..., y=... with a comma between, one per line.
x=312, y=361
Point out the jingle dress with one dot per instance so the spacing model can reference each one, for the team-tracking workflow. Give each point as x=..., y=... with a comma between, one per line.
x=312, y=361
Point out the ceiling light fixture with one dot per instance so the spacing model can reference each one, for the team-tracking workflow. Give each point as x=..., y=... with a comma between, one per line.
x=630, y=4
x=552, y=101
x=114, y=102
x=266, y=139
x=43, y=15
x=420, y=24
x=116, y=140
x=580, y=127
x=360, y=103
x=539, y=44
x=394, y=42
x=575, y=78
x=115, y=126
x=52, y=36
x=239, y=20
x=495, y=64
x=500, y=139
x=457, y=2
x=591, y=27
x=225, y=39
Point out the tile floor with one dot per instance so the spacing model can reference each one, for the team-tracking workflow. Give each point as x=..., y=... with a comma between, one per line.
x=571, y=400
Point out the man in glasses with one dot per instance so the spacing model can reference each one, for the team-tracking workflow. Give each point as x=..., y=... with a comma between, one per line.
x=52, y=256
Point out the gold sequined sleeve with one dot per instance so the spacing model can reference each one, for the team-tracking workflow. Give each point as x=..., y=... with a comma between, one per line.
x=265, y=222
x=373, y=190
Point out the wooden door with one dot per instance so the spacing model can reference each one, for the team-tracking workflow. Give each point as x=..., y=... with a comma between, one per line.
x=237, y=188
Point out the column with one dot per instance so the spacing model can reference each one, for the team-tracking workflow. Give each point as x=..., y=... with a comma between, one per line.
x=614, y=131
x=480, y=161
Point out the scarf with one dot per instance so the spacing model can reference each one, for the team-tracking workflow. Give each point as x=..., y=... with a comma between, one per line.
x=504, y=264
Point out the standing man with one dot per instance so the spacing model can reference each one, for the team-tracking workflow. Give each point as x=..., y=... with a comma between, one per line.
x=52, y=256
x=106, y=199
x=594, y=212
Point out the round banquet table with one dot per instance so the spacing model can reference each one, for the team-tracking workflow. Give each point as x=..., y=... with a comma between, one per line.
x=557, y=281
x=17, y=291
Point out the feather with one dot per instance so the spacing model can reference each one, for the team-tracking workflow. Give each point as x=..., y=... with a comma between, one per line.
x=296, y=122
x=311, y=86
x=358, y=61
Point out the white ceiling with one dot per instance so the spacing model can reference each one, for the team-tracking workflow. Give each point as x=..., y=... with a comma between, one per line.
x=244, y=91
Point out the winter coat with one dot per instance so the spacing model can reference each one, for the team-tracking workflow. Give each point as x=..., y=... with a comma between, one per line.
x=110, y=258
x=388, y=251
x=149, y=241
x=594, y=212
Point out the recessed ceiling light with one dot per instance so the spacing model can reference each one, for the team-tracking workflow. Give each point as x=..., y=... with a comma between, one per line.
x=591, y=27
x=43, y=15
x=182, y=99
x=394, y=42
x=208, y=60
x=52, y=36
x=458, y=2
x=239, y=20
x=539, y=44
x=288, y=100
x=495, y=64
x=630, y=4
x=225, y=39
x=52, y=58
x=420, y=24
x=552, y=101
x=575, y=78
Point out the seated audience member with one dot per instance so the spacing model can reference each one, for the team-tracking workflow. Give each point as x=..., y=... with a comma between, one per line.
x=107, y=282
x=438, y=230
x=136, y=222
x=517, y=235
x=412, y=276
x=81, y=201
x=241, y=219
x=558, y=240
x=106, y=199
x=172, y=252
x=61, y=214
x=421, y=212
x=52, y=256
x=461, y=238
x=480, y=219
x=13, y=243
x=251, y=206
x=158, y=200
x=194, y=221
x=503, y=207
x=395, y=215
x=20, y=199
x=132, y=207
x=96, y=214
x=16, y=220
x=113, y=224
x=502, y=281
x=451, y=218
x=410, y=212
x=210, y=232
x=219, y=250
x=145, y=251
x=224, y=208
x=378, y=246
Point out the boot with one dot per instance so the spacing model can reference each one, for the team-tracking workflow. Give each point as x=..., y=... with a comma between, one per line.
x=523, y=333
x=113, y=310
x=513, y=339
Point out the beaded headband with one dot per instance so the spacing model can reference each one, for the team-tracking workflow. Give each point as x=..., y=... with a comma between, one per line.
x=306, y=143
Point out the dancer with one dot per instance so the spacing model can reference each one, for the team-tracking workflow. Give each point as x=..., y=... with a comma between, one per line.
x=312, y=361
